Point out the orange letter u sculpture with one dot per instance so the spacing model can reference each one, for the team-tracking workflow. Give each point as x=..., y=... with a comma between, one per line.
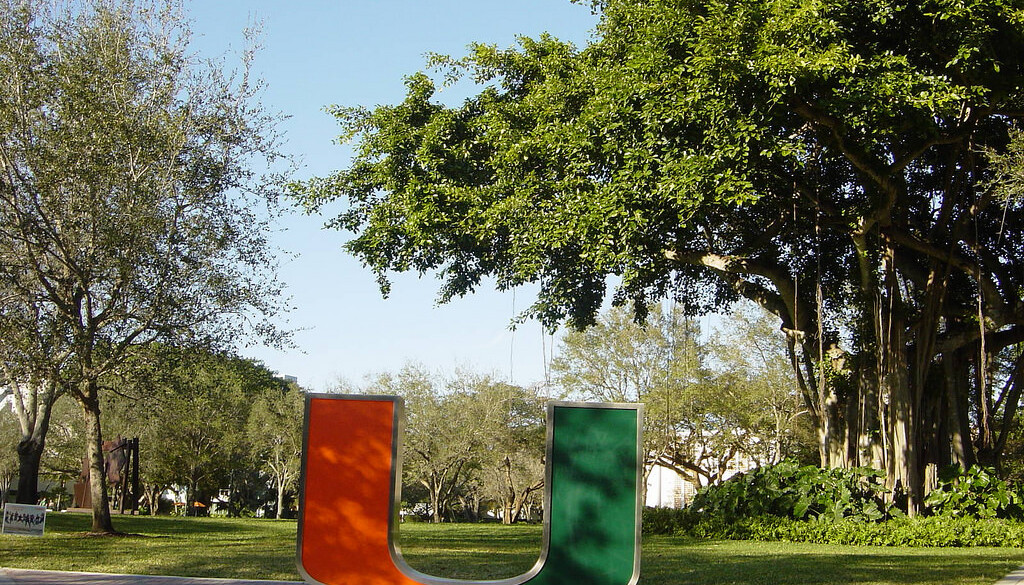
x=351, y=479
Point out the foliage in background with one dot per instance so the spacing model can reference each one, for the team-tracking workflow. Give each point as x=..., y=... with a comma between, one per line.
x=789, y=490
x=974, y=493
x=709, y=400
x=136, y=185
x=274, y=436
x=830, y=160
x=204, y=426
x=472, y=443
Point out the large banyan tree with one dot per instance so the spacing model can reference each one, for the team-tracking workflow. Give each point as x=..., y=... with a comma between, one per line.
x=850, y=165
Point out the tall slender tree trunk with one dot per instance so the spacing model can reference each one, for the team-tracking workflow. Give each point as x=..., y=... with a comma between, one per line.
x=280, y=496
x=101, y=520
x=153, y=497
x=434, y=491
x=870, y=444
x=955, y=375
x=833, y=435
x=905, y=463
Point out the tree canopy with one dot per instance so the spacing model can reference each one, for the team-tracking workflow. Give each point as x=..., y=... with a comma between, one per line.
x=836, y=161
x=709, y=399
x=470, y=442
x=131, y=180
x=672, y=150
x=208, y=422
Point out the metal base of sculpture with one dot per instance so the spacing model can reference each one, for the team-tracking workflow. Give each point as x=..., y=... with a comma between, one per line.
x=121, y=460
x=351, y=480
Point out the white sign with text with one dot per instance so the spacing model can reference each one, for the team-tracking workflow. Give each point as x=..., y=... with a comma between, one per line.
x=24, y=519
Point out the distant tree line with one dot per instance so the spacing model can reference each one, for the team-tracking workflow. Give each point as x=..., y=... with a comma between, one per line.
x=211, y=427
x=474, y=445
x=711, y=399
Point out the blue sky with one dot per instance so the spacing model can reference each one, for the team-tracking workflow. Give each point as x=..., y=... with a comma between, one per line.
x=357, y=52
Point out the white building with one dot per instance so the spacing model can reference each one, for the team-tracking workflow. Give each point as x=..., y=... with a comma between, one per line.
x=666, y=488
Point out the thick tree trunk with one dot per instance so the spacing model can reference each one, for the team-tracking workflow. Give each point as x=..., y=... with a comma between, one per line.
x=955, y=370
x=833, y=435
x=101, y=521
x=905, y=448
x=826, y=408
x=33, y=406
x=30, y=454
x=870, y=448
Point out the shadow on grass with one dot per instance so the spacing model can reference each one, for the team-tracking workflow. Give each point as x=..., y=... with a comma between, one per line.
x=265, y=549
x=154, y=526
x=199, y=547
x=686, y=562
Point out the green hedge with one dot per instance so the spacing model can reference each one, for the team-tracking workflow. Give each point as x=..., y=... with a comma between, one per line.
x=976, y=492
x=789, y=502
x=790, y=490
x=933, y=531
x=666, y=520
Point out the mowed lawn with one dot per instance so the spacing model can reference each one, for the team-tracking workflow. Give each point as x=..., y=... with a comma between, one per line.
x=265, y=549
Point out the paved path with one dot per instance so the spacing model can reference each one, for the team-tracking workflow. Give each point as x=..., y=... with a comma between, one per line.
x=30, y=577
x=1014, y=578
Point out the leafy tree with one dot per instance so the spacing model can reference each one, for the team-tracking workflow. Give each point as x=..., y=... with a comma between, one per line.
x=441, y=436
x=511, y=456
x=128, y=194
x=9, y=435
x=659, y=363
x=825, y=159
x=274, y=433
x=191, y=411
x=469, y=440
x=748, y=358
x=706, y=403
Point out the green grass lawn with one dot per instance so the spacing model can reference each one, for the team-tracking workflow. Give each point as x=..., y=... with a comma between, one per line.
x=265, y=549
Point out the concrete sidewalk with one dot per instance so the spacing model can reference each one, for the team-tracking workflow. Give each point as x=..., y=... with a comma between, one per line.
x=1014, y=578
x=30, y=577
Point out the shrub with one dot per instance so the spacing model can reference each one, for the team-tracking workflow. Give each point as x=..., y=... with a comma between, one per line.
x=934, y=531
x=790, y=491
x=976, y=492
x=788, y=502
x=663, y=520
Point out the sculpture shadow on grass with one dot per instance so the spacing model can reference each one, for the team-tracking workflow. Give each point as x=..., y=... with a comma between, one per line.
x=351, y=479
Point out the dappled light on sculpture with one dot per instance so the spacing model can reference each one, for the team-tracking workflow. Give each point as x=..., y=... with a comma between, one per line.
x=351, y=479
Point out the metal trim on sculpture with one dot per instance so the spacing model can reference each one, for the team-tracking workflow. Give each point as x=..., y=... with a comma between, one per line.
x=351, y=482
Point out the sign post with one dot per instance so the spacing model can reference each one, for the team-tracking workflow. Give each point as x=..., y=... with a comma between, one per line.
x=24, y=519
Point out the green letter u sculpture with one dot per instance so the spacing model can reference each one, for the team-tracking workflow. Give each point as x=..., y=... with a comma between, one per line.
x=351, y=479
